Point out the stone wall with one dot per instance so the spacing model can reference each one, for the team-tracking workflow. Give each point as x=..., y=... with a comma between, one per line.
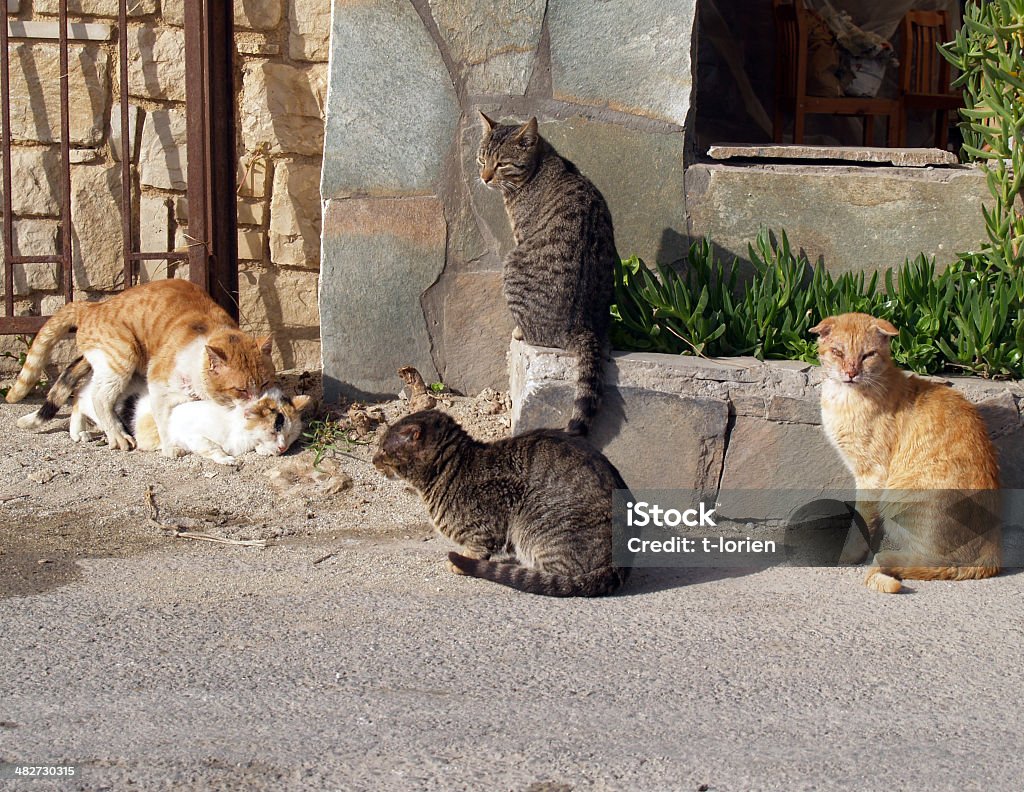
x=412, y=241
x=680, y=422
x=851, y=218
x=281, y=76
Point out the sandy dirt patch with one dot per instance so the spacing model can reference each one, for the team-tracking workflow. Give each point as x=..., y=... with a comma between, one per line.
x=62, y=501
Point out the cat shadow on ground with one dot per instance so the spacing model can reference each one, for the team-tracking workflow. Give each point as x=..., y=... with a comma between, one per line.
x=648, y=580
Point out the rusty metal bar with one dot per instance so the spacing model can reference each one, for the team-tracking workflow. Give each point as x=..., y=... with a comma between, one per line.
x=158, y=256
x=126, y=145
x=65, y=152
x=55, y=259
x=8, y=219
x=209, y=93
x=198, y=153
x=18, y=325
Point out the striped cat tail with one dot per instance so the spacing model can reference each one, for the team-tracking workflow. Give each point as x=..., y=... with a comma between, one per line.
x=589, y=352
x=58, y=325
x=534, y=581
x=62, y=391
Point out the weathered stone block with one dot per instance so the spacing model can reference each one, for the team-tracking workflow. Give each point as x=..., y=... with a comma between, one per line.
x=775, y=457
x=391, y=109
x=163, y=160
x=156, y=63
x=35, y=92
x=295, y=215
x=272, y=299
x=476, y=327
x=251, y=212
x=495, y=44
x=114, y=133
x=95, y=200
x=172, y=12
x=256, y=44
x=251, y=245
x=368, y=332
x=309, y=30
x=852, y=218
x=634, y=57
x=35, y=181
x=655, y=439
x=154, y=224
x=98, y=8
x=283, y=107
x=640, y=174
x=34, y=237
x=253, y=176
x=258, y=14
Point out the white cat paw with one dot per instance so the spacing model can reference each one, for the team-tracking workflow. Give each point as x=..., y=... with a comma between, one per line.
x=120, y=441
x=224, y=459
x=517, y=334
x=172, y=452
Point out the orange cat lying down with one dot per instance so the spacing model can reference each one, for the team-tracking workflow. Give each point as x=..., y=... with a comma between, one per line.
x=169, y=331
x=900, y=433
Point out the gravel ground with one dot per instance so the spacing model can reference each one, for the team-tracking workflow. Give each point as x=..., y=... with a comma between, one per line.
x=345, y=656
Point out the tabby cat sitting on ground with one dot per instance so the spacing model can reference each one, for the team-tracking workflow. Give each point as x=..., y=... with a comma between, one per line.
x=170, y=332
x=533, y=512
x=926, y=471
x=558, y=277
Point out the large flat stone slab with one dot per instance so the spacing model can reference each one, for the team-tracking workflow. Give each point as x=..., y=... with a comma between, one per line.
x=494, y=44
x=391, y=106
x=633, y=57
x=639, y=172
x=852, y=218
x=475, y=329
x=901, y=157
x=379, y=257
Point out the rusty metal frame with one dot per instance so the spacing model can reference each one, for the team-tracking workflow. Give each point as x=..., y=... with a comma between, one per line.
x=209, y=110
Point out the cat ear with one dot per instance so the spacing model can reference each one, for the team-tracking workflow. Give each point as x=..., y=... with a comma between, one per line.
x=884, y=327
x=526, y=136
x=409, y=435
x=300, y=402
x=485, y=122
x=217, y=357
x=824, y=327
x=266, y=344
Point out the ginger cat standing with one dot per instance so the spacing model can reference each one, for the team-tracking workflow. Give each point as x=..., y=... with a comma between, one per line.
x=172, y=333
x=899, y=433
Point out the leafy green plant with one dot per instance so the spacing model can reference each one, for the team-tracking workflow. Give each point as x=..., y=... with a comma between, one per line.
x=988, y=51
x=969, y=317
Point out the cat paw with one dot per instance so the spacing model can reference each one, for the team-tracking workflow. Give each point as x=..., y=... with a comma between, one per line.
x=172, y=452
x=454, y=569
x=120, y=441
x=517, y=334
x=224, y=459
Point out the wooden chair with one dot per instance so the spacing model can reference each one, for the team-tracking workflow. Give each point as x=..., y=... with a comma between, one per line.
x=792, y=23
x=924, y=74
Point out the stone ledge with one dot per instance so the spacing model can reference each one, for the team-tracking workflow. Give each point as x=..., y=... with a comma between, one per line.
x=696, y=423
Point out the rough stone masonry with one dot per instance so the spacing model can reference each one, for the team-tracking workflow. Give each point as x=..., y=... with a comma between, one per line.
x=413, y=242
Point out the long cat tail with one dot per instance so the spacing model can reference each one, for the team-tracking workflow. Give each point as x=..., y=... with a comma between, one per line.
x=62, y=391
x=887, y=579
x=58, y=325
x=589, y=352
x=533, y=581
